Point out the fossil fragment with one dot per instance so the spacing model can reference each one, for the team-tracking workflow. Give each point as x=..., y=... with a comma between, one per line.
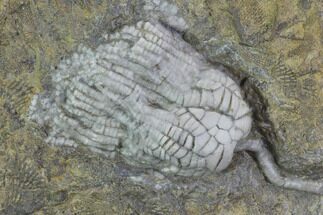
x=148, y=95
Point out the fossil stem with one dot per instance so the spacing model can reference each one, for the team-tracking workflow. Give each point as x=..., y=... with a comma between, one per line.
x=272, y=172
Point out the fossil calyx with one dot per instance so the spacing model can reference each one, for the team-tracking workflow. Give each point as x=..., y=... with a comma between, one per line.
x=148, y=95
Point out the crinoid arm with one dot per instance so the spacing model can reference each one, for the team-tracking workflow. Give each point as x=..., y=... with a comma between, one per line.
x=271, y=170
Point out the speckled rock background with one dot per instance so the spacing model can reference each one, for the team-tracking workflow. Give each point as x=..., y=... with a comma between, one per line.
x=275, y=47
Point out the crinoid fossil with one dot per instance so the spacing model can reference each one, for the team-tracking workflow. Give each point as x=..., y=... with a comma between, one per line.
x=149, y=96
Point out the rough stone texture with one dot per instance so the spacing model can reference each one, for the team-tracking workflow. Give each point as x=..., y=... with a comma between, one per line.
x=279, y=49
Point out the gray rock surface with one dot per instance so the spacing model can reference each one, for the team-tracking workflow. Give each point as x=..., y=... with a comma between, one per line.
x=39, y=179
